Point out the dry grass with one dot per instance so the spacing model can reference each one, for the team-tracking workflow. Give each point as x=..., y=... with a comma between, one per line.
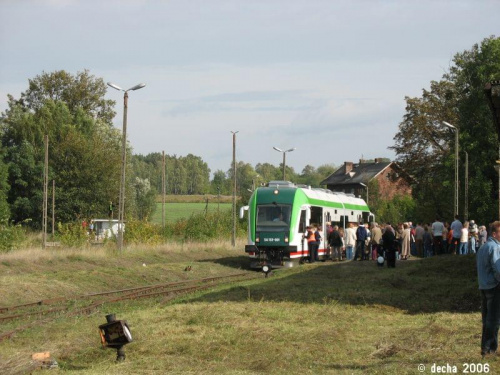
x=352, y=318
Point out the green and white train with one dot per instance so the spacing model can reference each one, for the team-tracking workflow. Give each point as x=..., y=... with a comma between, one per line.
x=279, y=213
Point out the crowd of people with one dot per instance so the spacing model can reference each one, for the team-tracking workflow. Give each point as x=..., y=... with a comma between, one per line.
x=371, y=241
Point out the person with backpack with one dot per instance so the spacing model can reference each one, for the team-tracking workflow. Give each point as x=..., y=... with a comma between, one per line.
x=335, y=242
x=361, y=235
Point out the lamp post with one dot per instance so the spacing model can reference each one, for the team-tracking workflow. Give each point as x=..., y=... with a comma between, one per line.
x=121, y=202
x=233, y=236
x=455, y=129
x=284, y=158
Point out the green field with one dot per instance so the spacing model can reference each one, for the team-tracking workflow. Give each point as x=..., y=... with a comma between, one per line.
x=176, y=211
x=326, y=318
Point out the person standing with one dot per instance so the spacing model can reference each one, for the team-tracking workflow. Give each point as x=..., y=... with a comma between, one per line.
x=473, y=236
x=310, y=243
x=483, y=235
x=427, y=239
x=361, y=236
x=376, y=236
x=488, y=275
x=437, y=236
x=389, y=243
x=419, y=239
x=318, y=237
x=445, y=238
x=456, y=227
x=335, y=242
x=464, y=240
x=406, y=242
x=350, y=240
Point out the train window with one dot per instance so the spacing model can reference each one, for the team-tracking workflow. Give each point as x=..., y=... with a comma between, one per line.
x=302, y=221
x=316, y=215
x=352, y=213
x=335, y=211
x=273, y=217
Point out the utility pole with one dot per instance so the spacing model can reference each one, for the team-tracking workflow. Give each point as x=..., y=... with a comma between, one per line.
x=163, y=183
x=53, y=207
x=233, y=237
x=466, y=206
x=457, y=156
x=45, y=191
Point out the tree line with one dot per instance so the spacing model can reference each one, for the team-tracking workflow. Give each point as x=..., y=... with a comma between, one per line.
x=85, y=151
x=85, y=157
x=426, y=149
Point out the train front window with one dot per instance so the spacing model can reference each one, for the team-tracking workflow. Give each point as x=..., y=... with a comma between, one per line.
x=273, y=217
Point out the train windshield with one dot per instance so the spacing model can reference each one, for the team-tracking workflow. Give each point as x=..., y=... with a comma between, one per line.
x=273, y=217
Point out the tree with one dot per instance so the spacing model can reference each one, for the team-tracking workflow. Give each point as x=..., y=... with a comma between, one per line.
x=145, y=199
x=198, y=174
x=80, y=91
x=426, y=150
x=220, y=183
x=268, y=172
x=84, y=150
x=245, y=175
x=4, y=189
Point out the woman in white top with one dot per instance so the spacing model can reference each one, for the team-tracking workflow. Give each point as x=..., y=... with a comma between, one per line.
x=464, y=240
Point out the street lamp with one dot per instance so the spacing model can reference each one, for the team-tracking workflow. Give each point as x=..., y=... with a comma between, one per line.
x=233, y=236
x=455, y=129
x=284, y=158
x=121, y=202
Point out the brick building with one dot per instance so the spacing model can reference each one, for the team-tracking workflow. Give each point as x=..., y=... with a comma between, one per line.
x=353, y=178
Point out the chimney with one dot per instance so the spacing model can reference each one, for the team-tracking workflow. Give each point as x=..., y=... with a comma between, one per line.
x=361, y=161
x=347, y=166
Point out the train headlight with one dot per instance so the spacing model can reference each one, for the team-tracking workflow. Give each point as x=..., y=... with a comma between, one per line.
x=286, y=239
x=276, y=191
x=257, y=239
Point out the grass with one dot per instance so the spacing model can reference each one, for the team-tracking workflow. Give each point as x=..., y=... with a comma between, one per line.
x=176, y=211
x=327, y=318
x=175, y=198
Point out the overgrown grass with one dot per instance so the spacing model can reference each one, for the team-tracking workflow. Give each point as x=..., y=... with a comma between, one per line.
x=174, y=198
x=182, y=210
x=329, y=318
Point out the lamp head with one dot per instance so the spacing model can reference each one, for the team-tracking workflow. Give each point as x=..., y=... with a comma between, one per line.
x=137, y=87
x=116, y=87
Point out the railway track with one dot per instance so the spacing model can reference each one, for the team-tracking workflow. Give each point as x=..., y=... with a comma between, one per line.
x=86, y=303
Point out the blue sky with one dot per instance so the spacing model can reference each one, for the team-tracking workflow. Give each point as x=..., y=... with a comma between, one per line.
x=326, y=77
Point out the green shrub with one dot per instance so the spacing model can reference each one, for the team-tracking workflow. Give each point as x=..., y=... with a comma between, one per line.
x=11, y=236
x=71, y=234
x=143, y=232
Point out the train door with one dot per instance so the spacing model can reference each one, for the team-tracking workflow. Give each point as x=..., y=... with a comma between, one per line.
x=302, y=227
x=317, y=219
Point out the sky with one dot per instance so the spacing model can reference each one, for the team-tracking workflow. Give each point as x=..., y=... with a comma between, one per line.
x=326, y=77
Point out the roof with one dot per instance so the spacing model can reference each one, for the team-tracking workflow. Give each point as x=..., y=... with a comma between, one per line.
x=360, y=173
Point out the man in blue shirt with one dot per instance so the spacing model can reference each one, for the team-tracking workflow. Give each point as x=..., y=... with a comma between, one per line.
x=488, y=274
x=361, y=235
x=456, y=227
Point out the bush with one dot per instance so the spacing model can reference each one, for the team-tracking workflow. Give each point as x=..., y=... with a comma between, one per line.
x=11, y=236
x=143, y=232
x=71, y=234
